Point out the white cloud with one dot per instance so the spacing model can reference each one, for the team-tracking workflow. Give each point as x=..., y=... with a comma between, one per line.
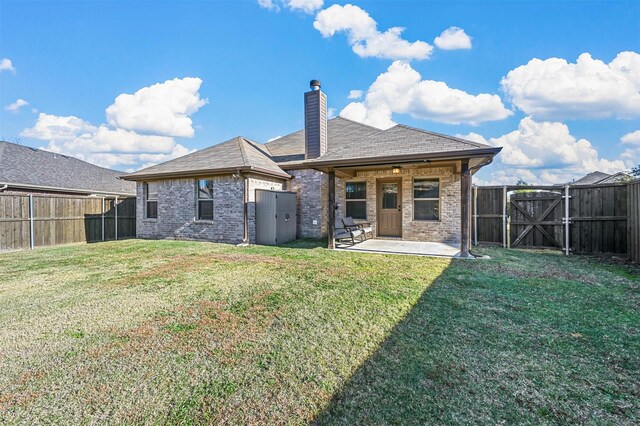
x=56, y=128
x=590, y=88
x=401, y=90
x=364, y=37
x=473, y=137
x=101, y=145
x=274, y=138
x=120, y=143
x=546, y=153
x=15, y=107
x=331, y=112
x=631, y=155
x=632, y=138
x=6, y=65
x=355, y=94
x=160, y=109
x=268, y=4
x=453, y=38
x=306, y=6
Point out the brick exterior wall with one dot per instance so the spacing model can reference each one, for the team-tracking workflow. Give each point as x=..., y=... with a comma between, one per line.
x=177, y=206
x=447, y=229
x=177, y=209
x=312, y=188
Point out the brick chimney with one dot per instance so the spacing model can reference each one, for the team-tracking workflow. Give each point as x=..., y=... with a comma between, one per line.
x=315, y=121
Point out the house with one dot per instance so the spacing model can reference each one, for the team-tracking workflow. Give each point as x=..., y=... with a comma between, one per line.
x=599, y=178
x=409, y=183
x=25, y=170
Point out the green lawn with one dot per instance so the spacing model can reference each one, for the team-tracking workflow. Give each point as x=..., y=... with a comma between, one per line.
x=192, y=333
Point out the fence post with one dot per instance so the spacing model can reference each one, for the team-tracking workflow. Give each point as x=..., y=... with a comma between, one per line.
x=504, y=216
x=566, y=219
x=31, y=237
x=475, y=215
x=102, y=218
x=116, y=208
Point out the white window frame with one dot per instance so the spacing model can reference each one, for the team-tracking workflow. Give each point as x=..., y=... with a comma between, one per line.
x=347, y=200
x=414, y=199
x=198, y=200
x=147, y=200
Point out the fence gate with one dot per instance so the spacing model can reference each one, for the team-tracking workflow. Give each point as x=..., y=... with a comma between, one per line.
x=536, y=220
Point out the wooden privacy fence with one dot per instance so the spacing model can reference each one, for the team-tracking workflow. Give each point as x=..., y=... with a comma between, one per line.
x=587, y=219
x=28, y=221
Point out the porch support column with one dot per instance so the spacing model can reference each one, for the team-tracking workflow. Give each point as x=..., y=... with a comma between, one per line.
x=332, y=210
x=465, y=208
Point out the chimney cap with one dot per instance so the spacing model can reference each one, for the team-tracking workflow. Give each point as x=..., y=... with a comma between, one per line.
x=314, y=83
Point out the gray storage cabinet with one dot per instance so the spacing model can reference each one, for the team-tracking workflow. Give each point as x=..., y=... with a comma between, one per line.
x=275, y=217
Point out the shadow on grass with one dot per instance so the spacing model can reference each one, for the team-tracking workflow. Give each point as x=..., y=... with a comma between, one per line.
x=505, y=346
x=395, y=385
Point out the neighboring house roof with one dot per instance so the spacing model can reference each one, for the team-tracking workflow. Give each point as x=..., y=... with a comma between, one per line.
x=237, y=154
x=349, y=141
x=31, y=168
x=595, y=178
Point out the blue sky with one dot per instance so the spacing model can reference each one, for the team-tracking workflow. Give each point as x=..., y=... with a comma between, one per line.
x=240, y=68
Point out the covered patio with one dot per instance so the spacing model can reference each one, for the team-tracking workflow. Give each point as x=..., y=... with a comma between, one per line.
x=399, y=246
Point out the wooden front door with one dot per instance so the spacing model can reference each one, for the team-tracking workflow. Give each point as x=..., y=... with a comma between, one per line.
x=390, y=208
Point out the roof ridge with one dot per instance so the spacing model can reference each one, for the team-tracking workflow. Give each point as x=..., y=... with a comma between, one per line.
x=442, y=135
x=2, y=145
x=357, y=122
x=260, y=147
x=240, y=140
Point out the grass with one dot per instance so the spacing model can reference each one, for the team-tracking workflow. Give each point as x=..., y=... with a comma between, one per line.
x=196, y=333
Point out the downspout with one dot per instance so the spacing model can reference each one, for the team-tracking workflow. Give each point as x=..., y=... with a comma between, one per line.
x=245, y=238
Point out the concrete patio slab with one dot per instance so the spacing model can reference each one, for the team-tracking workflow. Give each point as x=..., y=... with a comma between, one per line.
x=414, y=248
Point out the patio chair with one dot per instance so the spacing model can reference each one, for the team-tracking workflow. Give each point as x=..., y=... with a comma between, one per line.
x=365, y=227
x=346, y=233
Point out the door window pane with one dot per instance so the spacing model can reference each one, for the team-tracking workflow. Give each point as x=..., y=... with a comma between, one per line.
x=389, y=195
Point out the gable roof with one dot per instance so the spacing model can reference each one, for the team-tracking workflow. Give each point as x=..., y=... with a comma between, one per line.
x=596, y=177
x=237, y=154
x=26, y=167
x=591, y=178
x=349, y=142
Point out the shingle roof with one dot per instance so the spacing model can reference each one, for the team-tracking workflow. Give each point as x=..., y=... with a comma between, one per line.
x=591, y=178
x=348, y=140
x=396, y=141
x=235, y=154
x=596, y=177
x=24, y=166
x=341, y=133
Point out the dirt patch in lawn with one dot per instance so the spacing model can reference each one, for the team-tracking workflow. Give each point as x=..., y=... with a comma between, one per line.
x=174, y=266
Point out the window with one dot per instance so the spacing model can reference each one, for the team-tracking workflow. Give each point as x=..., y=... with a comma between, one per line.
x=205, y=199
x=389, y=195
x=426, y=199
x=151, y=199
x=356, y=195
